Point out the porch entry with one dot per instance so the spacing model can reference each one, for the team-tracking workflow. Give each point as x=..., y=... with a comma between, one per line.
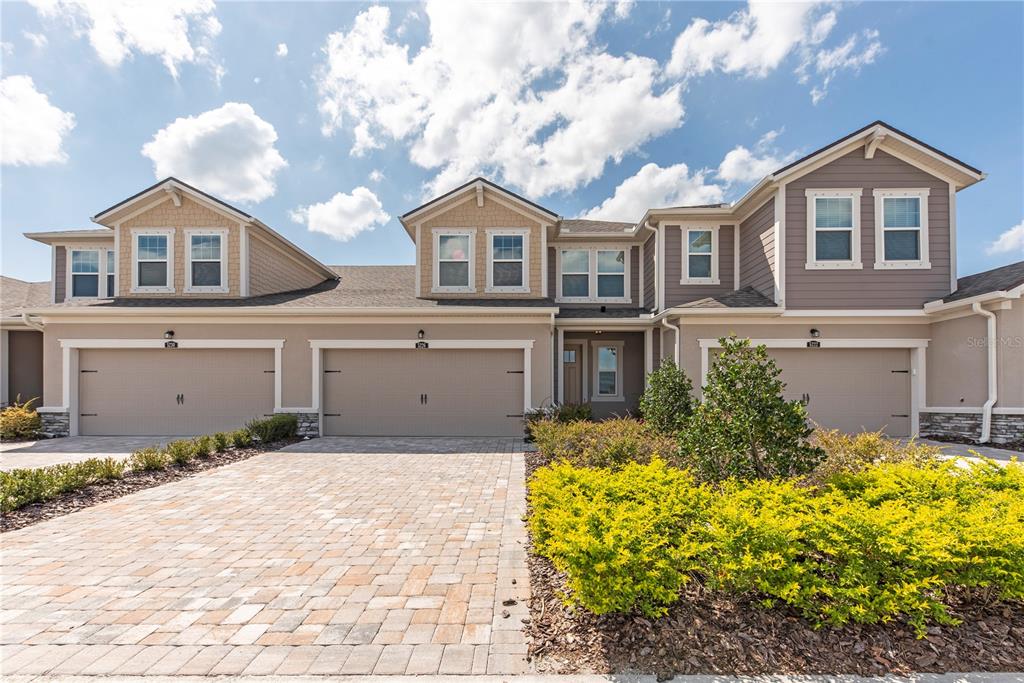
x=572, y=359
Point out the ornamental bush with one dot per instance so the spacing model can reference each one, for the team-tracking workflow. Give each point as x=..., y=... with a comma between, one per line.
x=743, y=427
x=221, y=441
x=565, y=412
x=148, y=459
x=181, y=452
x=667, y=402
x=608, y=443
x=854, y=452
x=25, y=486
x=20, y=420
x=273, y=428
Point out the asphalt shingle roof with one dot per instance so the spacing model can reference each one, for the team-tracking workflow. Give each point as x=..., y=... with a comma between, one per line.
x=995, y=280
x=748, y=297
x=17, y=294
x=584, y=225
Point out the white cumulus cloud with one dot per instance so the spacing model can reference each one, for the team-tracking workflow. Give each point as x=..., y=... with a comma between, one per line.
x=853, y=54
x=531, y=100
x=376, y=175
x=227, y=151
x=742, y=165
x=282, y=49
x=343, y=216
x=38, y=40
x=176, y=31
x=656, y=187
x=32, y=129
x=1009, y=242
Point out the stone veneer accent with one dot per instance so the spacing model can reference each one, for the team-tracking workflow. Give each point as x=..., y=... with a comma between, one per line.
x=1005, y=428
x=309, y=424
x=56, y=424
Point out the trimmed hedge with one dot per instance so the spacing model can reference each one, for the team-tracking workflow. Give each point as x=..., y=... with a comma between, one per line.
x=273, y=428
x=609, y=443
x=25, y=486
x=866, y=547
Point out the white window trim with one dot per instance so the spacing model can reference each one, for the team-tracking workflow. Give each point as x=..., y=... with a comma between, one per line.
x=592, y=274
x=189, y=287
x=686, y=279
x=471, y=285
x=109, y=255
x=138, y=232
x=812, y=262
x=101, y=264
x=619, y=394
x=525, y=234
x=880, y=196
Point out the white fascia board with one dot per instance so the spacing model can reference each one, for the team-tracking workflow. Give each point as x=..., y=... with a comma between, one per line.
x=217, y=311
x=827, y=343
x=941, y=306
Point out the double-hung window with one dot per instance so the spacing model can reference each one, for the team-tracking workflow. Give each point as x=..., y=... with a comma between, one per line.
x=833, y=228
x=153, y=256
x=593, y=275
x=700, y=256
x=453, y=264
x=507, y=261
x=901, y=228
x=111, y=284
x=207, y=265
x=607, y=371
x=85, y=273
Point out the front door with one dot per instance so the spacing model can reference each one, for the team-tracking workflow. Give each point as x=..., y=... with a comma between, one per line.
x=572, y=359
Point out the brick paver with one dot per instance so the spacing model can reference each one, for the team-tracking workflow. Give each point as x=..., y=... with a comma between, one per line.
x=352, y=556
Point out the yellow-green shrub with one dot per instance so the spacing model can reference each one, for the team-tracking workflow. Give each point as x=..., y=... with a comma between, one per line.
x=620, y=536
x=609, y=443
x=24, y=486
x=19, y=421
x=148, y=459
x=853, y=452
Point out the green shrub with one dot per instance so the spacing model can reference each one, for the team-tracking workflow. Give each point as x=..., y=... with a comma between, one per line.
x=854, y=452
x=667, y=402
x=20, y=420
x=241, y=438
x=181, y=452
x=620, y=536
x=273, y=428
x=149, y=459
x=221, y=441
x=744, y=427
x=609, y=443
x=202, y=446
x=566, y=412
x=24, y=486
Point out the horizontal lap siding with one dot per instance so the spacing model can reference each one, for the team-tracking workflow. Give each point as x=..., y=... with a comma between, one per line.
x=675, y=293
x=60, y=275
x=650, y=293
x=757, y=250
x=866, y=288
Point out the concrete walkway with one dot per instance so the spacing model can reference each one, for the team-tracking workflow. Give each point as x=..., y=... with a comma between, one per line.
x=46, y=452
x=964, y=451
x=319, y=559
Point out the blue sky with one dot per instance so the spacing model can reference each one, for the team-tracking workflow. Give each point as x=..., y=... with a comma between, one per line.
x=596, y=110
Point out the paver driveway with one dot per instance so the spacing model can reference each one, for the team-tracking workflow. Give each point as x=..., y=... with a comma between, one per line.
x=373, y=558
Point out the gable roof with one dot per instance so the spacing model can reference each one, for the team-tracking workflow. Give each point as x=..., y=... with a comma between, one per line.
x=1000, y=279
x=473, y=183
x=170, y=182
x=16, y=295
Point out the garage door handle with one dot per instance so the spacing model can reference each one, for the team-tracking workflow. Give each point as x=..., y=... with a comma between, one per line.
x=513, y=372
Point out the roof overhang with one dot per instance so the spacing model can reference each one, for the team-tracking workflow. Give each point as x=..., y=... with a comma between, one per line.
x=173, y=189
x=92, y=313
x=476, y=187
x=938, y=307
x=52, y=237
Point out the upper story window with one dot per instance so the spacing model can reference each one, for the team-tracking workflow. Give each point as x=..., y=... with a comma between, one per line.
x=153, y=257
x=507, y=261
x=111, y=264
x=453, y=263
x=207, y=267
x=700, y=256
x=85, y=273
x=594, y=275
x=901, y=235
x=833, y=228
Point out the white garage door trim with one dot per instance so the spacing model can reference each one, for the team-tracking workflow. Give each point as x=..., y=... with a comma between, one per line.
x=70, y=348
x=917, y=360
x=318, y=346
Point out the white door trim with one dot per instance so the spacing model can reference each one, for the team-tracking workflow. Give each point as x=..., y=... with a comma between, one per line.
x=917, y=361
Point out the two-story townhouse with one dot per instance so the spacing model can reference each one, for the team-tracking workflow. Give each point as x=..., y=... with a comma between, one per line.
x=183, y=314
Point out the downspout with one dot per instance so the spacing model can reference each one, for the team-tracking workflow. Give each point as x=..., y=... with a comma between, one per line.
x=27, y=319
x=678, y=341
x=993, y=390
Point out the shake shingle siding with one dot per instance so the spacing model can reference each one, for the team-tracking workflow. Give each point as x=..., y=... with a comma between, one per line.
x=866, y=288
x=757, y=250
x=60, y=275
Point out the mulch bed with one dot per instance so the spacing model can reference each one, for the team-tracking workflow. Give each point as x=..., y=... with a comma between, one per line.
x=132, y=481
x=711, y=633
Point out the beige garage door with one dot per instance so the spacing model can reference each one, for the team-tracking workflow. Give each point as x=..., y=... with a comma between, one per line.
x=172, y=391
x=850, y=389
x=425, y=392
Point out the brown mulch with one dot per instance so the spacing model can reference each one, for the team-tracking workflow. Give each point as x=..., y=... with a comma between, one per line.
x=712, y=633
x=132, y=481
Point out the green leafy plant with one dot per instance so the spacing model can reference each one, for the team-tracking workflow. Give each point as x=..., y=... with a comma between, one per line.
x=149, y=459
x=22, y=487
x=608, y=443
x=181, y=452
x=221, y=441
x=667, y=402
x=241, y=438
x=743, y=427
x=854, y=452
x=565, y=412
x=273, y=428
x=203, y=446
x=20, y=420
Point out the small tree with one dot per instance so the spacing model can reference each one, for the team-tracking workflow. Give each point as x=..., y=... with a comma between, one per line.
x=667, y=402
x=743, y=427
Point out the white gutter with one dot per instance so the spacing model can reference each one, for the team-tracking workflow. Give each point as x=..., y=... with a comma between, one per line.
x=993, y=390
x=27, y=319
x=678, y=340
x=939, y=306
x=233, y=311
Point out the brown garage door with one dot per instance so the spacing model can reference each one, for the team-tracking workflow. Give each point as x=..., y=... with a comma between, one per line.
x=426, y=392
x=172, y=391
x=851, y=389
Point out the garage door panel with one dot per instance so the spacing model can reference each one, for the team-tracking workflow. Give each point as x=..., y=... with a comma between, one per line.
x=850, y=389
x=136, y=391
x=423, y=392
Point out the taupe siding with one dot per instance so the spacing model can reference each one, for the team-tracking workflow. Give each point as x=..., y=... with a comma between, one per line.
x=676, y=293
x=650, y=290
x=632, y=370
x=60, y=275
x=25, y=367
x=757, y=250
x=866, y=288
